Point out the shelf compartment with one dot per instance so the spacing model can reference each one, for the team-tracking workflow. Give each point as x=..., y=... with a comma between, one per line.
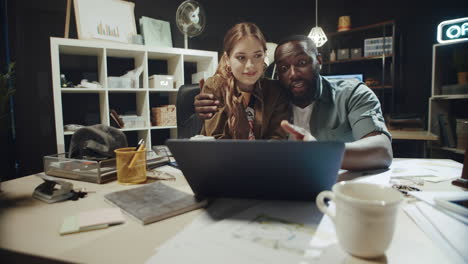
x=452, y=109
x=126, y=103
x=443, y=69
x=77, y=67
x=166, y=64
x=119, y=62
x=82, y=109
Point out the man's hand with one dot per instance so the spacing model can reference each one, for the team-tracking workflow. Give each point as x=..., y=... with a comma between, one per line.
x=205, y=105
x=298, y=133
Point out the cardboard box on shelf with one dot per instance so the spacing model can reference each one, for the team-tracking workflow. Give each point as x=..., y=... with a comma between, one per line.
x=164, y=115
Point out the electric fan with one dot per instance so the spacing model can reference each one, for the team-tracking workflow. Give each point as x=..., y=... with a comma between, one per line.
x=190, y=19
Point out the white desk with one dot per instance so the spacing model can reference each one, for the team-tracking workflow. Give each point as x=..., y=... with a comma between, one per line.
x=32, y=227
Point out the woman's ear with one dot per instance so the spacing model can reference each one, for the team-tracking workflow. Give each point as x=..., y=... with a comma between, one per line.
x=226, y=57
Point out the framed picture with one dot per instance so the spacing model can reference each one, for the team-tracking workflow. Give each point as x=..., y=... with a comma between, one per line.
x=105, y=19
x=156, y=32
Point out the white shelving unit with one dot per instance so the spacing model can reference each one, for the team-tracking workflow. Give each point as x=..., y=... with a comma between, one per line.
x=451, y=105
x=174, y=58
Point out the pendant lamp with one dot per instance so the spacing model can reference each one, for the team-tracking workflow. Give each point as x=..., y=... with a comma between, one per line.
x=316, y=34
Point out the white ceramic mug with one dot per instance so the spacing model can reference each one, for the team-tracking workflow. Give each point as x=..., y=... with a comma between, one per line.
x=364, y=217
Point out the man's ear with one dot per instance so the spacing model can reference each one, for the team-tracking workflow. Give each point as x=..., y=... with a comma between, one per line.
x=319, y=60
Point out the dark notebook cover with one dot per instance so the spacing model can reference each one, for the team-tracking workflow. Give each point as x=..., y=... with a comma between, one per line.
x=154, y=202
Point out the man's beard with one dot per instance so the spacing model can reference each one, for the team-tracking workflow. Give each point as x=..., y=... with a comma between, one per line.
x=309, y=95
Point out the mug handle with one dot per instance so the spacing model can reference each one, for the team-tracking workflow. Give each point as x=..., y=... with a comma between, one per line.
x=320, y=201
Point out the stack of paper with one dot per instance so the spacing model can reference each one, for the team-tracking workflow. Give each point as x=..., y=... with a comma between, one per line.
x=447, y=230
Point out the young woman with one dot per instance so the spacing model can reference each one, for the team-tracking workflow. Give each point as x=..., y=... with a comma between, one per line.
x=250, y=107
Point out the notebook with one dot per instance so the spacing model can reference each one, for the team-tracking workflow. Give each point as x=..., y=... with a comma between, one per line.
x=154, y=202
x=260, y=169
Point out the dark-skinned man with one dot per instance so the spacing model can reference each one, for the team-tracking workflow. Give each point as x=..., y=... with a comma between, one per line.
x=322, y=109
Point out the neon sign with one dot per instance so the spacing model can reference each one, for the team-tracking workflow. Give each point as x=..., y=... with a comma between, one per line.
x=452, y=30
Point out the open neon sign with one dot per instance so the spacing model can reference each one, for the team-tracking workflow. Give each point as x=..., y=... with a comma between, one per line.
x=453, y=30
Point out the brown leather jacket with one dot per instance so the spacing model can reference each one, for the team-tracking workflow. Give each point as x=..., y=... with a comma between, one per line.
x=270, y=108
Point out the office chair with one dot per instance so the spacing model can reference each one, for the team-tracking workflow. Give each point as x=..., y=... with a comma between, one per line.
x=188, y=124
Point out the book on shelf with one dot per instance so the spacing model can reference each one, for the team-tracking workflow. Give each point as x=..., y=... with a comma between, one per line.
x=154, y=202
x=446, y=131
x=116, y=121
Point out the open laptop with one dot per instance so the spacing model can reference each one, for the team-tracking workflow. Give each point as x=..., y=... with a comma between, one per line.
x=260, y=169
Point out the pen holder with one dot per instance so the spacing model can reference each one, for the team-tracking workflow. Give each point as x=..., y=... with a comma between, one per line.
x=135, y=174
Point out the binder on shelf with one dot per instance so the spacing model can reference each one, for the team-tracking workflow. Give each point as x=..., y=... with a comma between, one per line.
x=446, y=131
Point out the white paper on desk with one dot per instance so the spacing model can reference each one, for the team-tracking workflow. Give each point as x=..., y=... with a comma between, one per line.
x=426, y=169
x=271, y=232
x=446, y=232
x=428, y=197
x=222, y=208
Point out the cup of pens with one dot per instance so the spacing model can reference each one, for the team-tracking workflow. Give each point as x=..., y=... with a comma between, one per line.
x=131, y=164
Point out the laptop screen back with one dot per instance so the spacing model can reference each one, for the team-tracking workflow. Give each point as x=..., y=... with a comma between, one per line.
x=280, y=170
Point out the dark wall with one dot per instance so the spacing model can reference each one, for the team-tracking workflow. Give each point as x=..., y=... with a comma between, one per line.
x=35, y=21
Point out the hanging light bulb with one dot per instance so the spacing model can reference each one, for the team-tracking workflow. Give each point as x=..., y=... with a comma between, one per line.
x=316, y=34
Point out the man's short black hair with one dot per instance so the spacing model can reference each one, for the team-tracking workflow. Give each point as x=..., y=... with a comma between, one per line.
x=310, y=43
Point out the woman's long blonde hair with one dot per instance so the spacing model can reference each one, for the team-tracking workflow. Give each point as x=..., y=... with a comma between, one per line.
x=232, y=101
